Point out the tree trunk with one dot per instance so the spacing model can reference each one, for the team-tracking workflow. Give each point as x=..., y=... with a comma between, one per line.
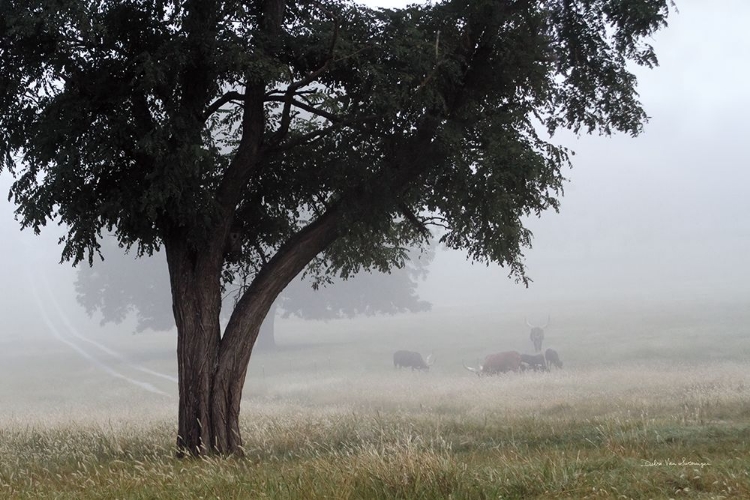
x=236, y=348
x=196, y=357
x=196, y=303
x=210, y=385
x=241, y=332
x=211, y=366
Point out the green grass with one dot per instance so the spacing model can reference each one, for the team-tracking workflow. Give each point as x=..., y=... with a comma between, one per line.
x=516, y=441
x=655, y=405
x=390, y=456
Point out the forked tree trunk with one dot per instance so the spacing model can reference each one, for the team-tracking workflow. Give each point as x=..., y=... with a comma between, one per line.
x=211, y=366
x=210, y=387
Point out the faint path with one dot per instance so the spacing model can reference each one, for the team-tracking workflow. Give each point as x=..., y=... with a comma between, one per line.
x=94, y=360
x=99, y=346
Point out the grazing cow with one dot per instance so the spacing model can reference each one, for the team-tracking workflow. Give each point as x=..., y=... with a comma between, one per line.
x=550, y=355
x=501, y=362
x=411, y=359
x=534, y=362
x=537, y=334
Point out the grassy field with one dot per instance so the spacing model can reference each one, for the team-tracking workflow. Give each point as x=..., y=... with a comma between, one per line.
x=654, y=402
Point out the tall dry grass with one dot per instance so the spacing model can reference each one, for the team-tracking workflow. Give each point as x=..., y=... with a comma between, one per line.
x=652, y=403
x=636, y=431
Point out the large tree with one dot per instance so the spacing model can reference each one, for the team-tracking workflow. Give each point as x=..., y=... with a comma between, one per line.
x=269, y=136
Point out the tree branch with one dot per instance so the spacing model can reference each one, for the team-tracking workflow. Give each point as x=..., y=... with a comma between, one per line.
x=291, y=90
x=412, y=217
x=437, y=221
x=261, y=253
x=246, y=158
x=302, y=139
x=336, y=121
x=289, y=98
x=218, y=103
x=306, y=107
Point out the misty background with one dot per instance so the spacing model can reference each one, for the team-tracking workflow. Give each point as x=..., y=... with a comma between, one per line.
x=644, y=222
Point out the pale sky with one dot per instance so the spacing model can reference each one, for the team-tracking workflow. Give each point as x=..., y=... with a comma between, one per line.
x=662, y=216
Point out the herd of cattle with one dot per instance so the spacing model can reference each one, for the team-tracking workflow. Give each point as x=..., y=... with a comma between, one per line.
x=501, y=362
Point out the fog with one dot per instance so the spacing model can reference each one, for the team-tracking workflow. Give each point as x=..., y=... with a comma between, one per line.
x=657, y=222
x=662, y=216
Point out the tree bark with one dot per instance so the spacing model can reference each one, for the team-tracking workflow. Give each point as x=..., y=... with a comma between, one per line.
x=196, y=303
x=211, y=366
x=244, y=325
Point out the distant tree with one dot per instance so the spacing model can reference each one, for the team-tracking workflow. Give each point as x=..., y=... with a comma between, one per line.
x=365, y=294
x=269, y=136
x=122, y=285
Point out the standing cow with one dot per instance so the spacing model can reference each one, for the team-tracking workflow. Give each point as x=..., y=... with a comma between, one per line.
x=551, y=357
x=411, y=359
x=537, y=334
x=501, y=362
x=534, y=362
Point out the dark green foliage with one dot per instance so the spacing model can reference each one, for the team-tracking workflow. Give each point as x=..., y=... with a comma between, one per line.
x=120, y=116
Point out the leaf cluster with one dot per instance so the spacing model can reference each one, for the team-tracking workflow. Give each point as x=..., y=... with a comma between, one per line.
x=133, y=116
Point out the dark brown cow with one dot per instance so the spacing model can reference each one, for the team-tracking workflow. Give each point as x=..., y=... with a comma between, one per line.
x=411, y=359
x=534, y=362
x=501, y=362
x=551, y=357
x=537, y=334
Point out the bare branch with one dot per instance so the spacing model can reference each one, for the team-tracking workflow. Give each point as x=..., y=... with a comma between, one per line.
x=343, y=120
x=261, y=253
x=302, y=139
x=289, y=97
x=438, y=62
x=306, y=107
x=309, y=78
x=436, y=220
x=277, y=92
x=418, y=224
x=218, y=103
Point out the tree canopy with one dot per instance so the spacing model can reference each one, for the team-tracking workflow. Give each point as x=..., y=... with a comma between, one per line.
x=125, y=116
x=259, y=138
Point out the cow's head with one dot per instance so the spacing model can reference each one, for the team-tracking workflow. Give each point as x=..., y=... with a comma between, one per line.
x=537, y=334
x=479, y=370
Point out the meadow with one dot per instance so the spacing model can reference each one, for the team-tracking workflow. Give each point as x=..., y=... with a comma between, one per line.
x=653, y=402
